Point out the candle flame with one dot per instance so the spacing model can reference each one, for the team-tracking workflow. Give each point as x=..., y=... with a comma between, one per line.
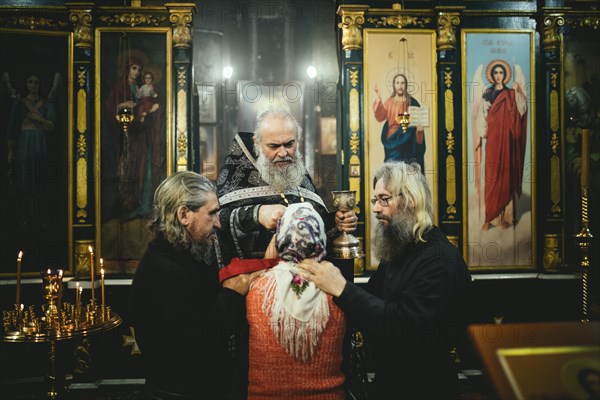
x=22, y=306
x=76, y=285
x=101, y=262
x=90, y=249
x=49, y=271
x=101, y=271
x=80, y=289
x=20, y=256
x=60, y=272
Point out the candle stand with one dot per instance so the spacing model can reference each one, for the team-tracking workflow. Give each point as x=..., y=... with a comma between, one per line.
x=57, y=321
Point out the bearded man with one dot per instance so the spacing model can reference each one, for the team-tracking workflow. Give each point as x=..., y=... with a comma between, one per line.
x=262, y=174
x=409, y=310
x=181, y=314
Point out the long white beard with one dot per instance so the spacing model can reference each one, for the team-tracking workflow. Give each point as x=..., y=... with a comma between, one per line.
x=391, y=240
x=281, y=178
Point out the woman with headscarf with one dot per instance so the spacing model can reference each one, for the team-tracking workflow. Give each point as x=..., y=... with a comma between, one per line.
x=296, y=331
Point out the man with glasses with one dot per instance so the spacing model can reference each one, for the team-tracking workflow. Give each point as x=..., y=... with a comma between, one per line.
x=408, y=311
x=182, y=316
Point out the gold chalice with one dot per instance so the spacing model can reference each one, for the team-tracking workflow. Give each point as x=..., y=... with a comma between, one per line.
x=346, y=246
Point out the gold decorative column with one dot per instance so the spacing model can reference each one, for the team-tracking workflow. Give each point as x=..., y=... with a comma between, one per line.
x=450, y=160
x=352, y=16
x=446, y=32
x=181, y=19
x=551, y=38
x=584, y=237
x=354, y=174
x=81, y=18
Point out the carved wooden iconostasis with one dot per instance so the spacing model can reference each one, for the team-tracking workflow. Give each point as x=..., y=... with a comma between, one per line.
x=72, y=180
x=77, y=193
x=85, y=183
x=542, y=51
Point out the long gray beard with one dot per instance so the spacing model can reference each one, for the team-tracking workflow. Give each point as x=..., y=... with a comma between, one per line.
x=281, y=179
x=203, y=251
x=391, y=240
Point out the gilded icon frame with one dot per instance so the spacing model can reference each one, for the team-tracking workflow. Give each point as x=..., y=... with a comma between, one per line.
x=46, y=240
x=488, y=217
x=415, y=58
x=122, y=213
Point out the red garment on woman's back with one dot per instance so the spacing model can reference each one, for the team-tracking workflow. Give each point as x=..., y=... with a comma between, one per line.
x=274, y=373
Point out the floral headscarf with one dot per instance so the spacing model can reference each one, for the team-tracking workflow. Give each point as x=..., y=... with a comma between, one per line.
x=298, y=311
x=301, y=234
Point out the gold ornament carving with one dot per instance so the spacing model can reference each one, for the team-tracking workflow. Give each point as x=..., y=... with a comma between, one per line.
x=400, y=21
x=554, y=143
x=554, y=77
x=82, y=28
x=585, y=22
x=133, y=19
x=447, y=23
x=353, y=77
x=32, y=22
x=551, y=39
x=182, y=34
x=352, y=29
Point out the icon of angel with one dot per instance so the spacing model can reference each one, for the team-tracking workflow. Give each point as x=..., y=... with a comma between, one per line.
x=499, y=129
x=34, y=115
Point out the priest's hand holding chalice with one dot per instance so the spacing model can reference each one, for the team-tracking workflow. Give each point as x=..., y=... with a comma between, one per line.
x=346, y=246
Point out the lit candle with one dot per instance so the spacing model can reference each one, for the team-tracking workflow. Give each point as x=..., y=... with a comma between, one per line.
x=585, y=155
x=77, y=299
x=19, y=258
x=102, y=286
x=80, y=294
x=21, y=308
x=60, y=288
x=93, y=277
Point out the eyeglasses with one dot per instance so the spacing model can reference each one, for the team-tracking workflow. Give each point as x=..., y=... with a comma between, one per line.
x=383, y=201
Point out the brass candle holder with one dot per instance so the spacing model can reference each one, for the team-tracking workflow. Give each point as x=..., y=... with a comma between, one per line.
x=346, y=246
x=57, y=321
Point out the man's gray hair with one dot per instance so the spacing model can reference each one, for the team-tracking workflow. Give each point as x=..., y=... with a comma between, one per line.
x=265, y=117
x=400, y=178
x=185, y=188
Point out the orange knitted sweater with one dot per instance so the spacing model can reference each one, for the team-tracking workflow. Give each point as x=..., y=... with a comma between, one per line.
x=274, y=373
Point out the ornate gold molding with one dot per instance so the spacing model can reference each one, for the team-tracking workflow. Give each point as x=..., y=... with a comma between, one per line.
x=32, y=22
x=354, y=175
x=551, y=39
x=82, y=27
x=400, y=21
x=450, y=143
x=584, y=22
x=181, y=117
x=81, y=186
x=447, y=23
x=352, y=19
x=181, y=20
x=132, y=19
